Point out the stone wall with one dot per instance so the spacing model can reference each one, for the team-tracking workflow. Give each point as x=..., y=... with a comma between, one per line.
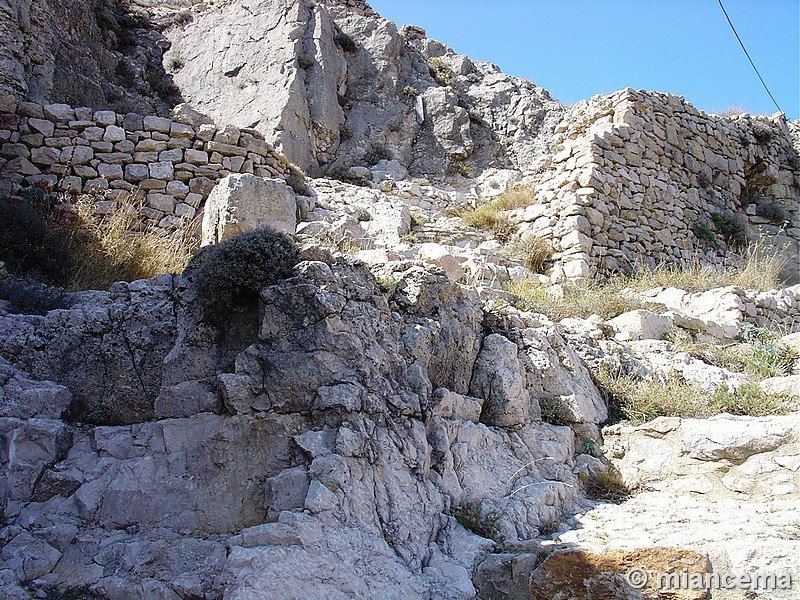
x=635, y=178
x=169, y=164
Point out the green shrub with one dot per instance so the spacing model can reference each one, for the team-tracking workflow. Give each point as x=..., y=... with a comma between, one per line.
x=31, y=244
x=28, y=297
x=441, y=72
x=345, y=42
x=732, y=229
x=233, y=272
x=305, y=62
x=771, y=211
x=471, y=517
x=705, y=234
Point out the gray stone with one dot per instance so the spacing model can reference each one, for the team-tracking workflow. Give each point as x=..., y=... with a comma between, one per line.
x=244, y=202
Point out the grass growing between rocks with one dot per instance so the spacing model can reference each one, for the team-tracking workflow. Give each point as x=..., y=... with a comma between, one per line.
x=87, y=250
x=642, y=400
x=758, y=271
x=760, y=354
x=571, y=301
x=534, y=253
x=605, y=486
x=117, y=247
x=492, y=216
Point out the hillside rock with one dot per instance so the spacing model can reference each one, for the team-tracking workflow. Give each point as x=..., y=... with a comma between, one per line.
x=331, y=84
x=315, y=432
x=245, y=202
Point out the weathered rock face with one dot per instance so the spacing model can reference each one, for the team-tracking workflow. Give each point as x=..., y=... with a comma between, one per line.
x=242, y=203
x=734, y=481
x=334, y=85
x=258, y=458
x=100, y=54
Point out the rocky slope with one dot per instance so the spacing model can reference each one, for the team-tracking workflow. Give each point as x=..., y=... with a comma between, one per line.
x=384, y=423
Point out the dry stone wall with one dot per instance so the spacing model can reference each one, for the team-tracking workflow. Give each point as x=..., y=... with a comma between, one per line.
x=636, y=177
x=169, y=165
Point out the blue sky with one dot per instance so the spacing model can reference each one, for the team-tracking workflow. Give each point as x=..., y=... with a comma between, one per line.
x=578, y=48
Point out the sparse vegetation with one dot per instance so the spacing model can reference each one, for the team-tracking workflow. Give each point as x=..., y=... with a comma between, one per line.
x=90, y=251
x=771, y=211
x=119, y=246
x=605, y=486
x=441, y=72
x=704, y=234
x=757, y=358
x=491, y=215
x=345, y=42
x=30, y=297
x=642, y=400
x=233, y=272
x=305, y=62
x=32, y=243
x=533, y=252
x=573, y=301
x=731, y=228
x=410, y=92
x=762, y=132
x=457, y=165
x=472, y=518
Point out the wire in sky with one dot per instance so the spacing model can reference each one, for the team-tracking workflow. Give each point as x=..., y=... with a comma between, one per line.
x=747, y=54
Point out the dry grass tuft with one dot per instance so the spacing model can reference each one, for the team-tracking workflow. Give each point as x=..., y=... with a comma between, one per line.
x=118, y=246
x=533, y=252
x=642, y=400
x=491, y=216
x=573, y=301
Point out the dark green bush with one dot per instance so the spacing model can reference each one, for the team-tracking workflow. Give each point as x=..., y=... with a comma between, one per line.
x=345, y=42
x=28, y=297
x=30, y=244
x=771, y=211
x=732, y=229
x=232, y=273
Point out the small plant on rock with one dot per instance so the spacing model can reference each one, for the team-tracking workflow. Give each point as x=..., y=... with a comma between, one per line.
x=771, y=211
x=441, y=72
x=233, y=272
x=345, y=42
x=471, y=517
x=732, y=229
x=605, y=486
x=762, y=132
x=704, y=234
x=305, y=62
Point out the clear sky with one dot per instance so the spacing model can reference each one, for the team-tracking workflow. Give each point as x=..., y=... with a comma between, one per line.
x=578, y=48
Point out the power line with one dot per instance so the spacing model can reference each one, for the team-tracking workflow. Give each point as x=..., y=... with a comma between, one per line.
x=747, y=54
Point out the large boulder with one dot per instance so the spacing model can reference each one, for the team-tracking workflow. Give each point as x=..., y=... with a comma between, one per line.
x=244, y=202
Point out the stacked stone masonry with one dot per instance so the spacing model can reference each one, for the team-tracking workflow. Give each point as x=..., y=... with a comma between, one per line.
x=633, y=175
x=169, y=165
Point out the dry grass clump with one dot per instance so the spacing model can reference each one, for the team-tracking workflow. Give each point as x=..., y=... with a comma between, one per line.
x=117, y=246
x=573, y=301
x=491, y=215
x=533, y=252
x=605, y=486
x=642, y=400
x=759, y=270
